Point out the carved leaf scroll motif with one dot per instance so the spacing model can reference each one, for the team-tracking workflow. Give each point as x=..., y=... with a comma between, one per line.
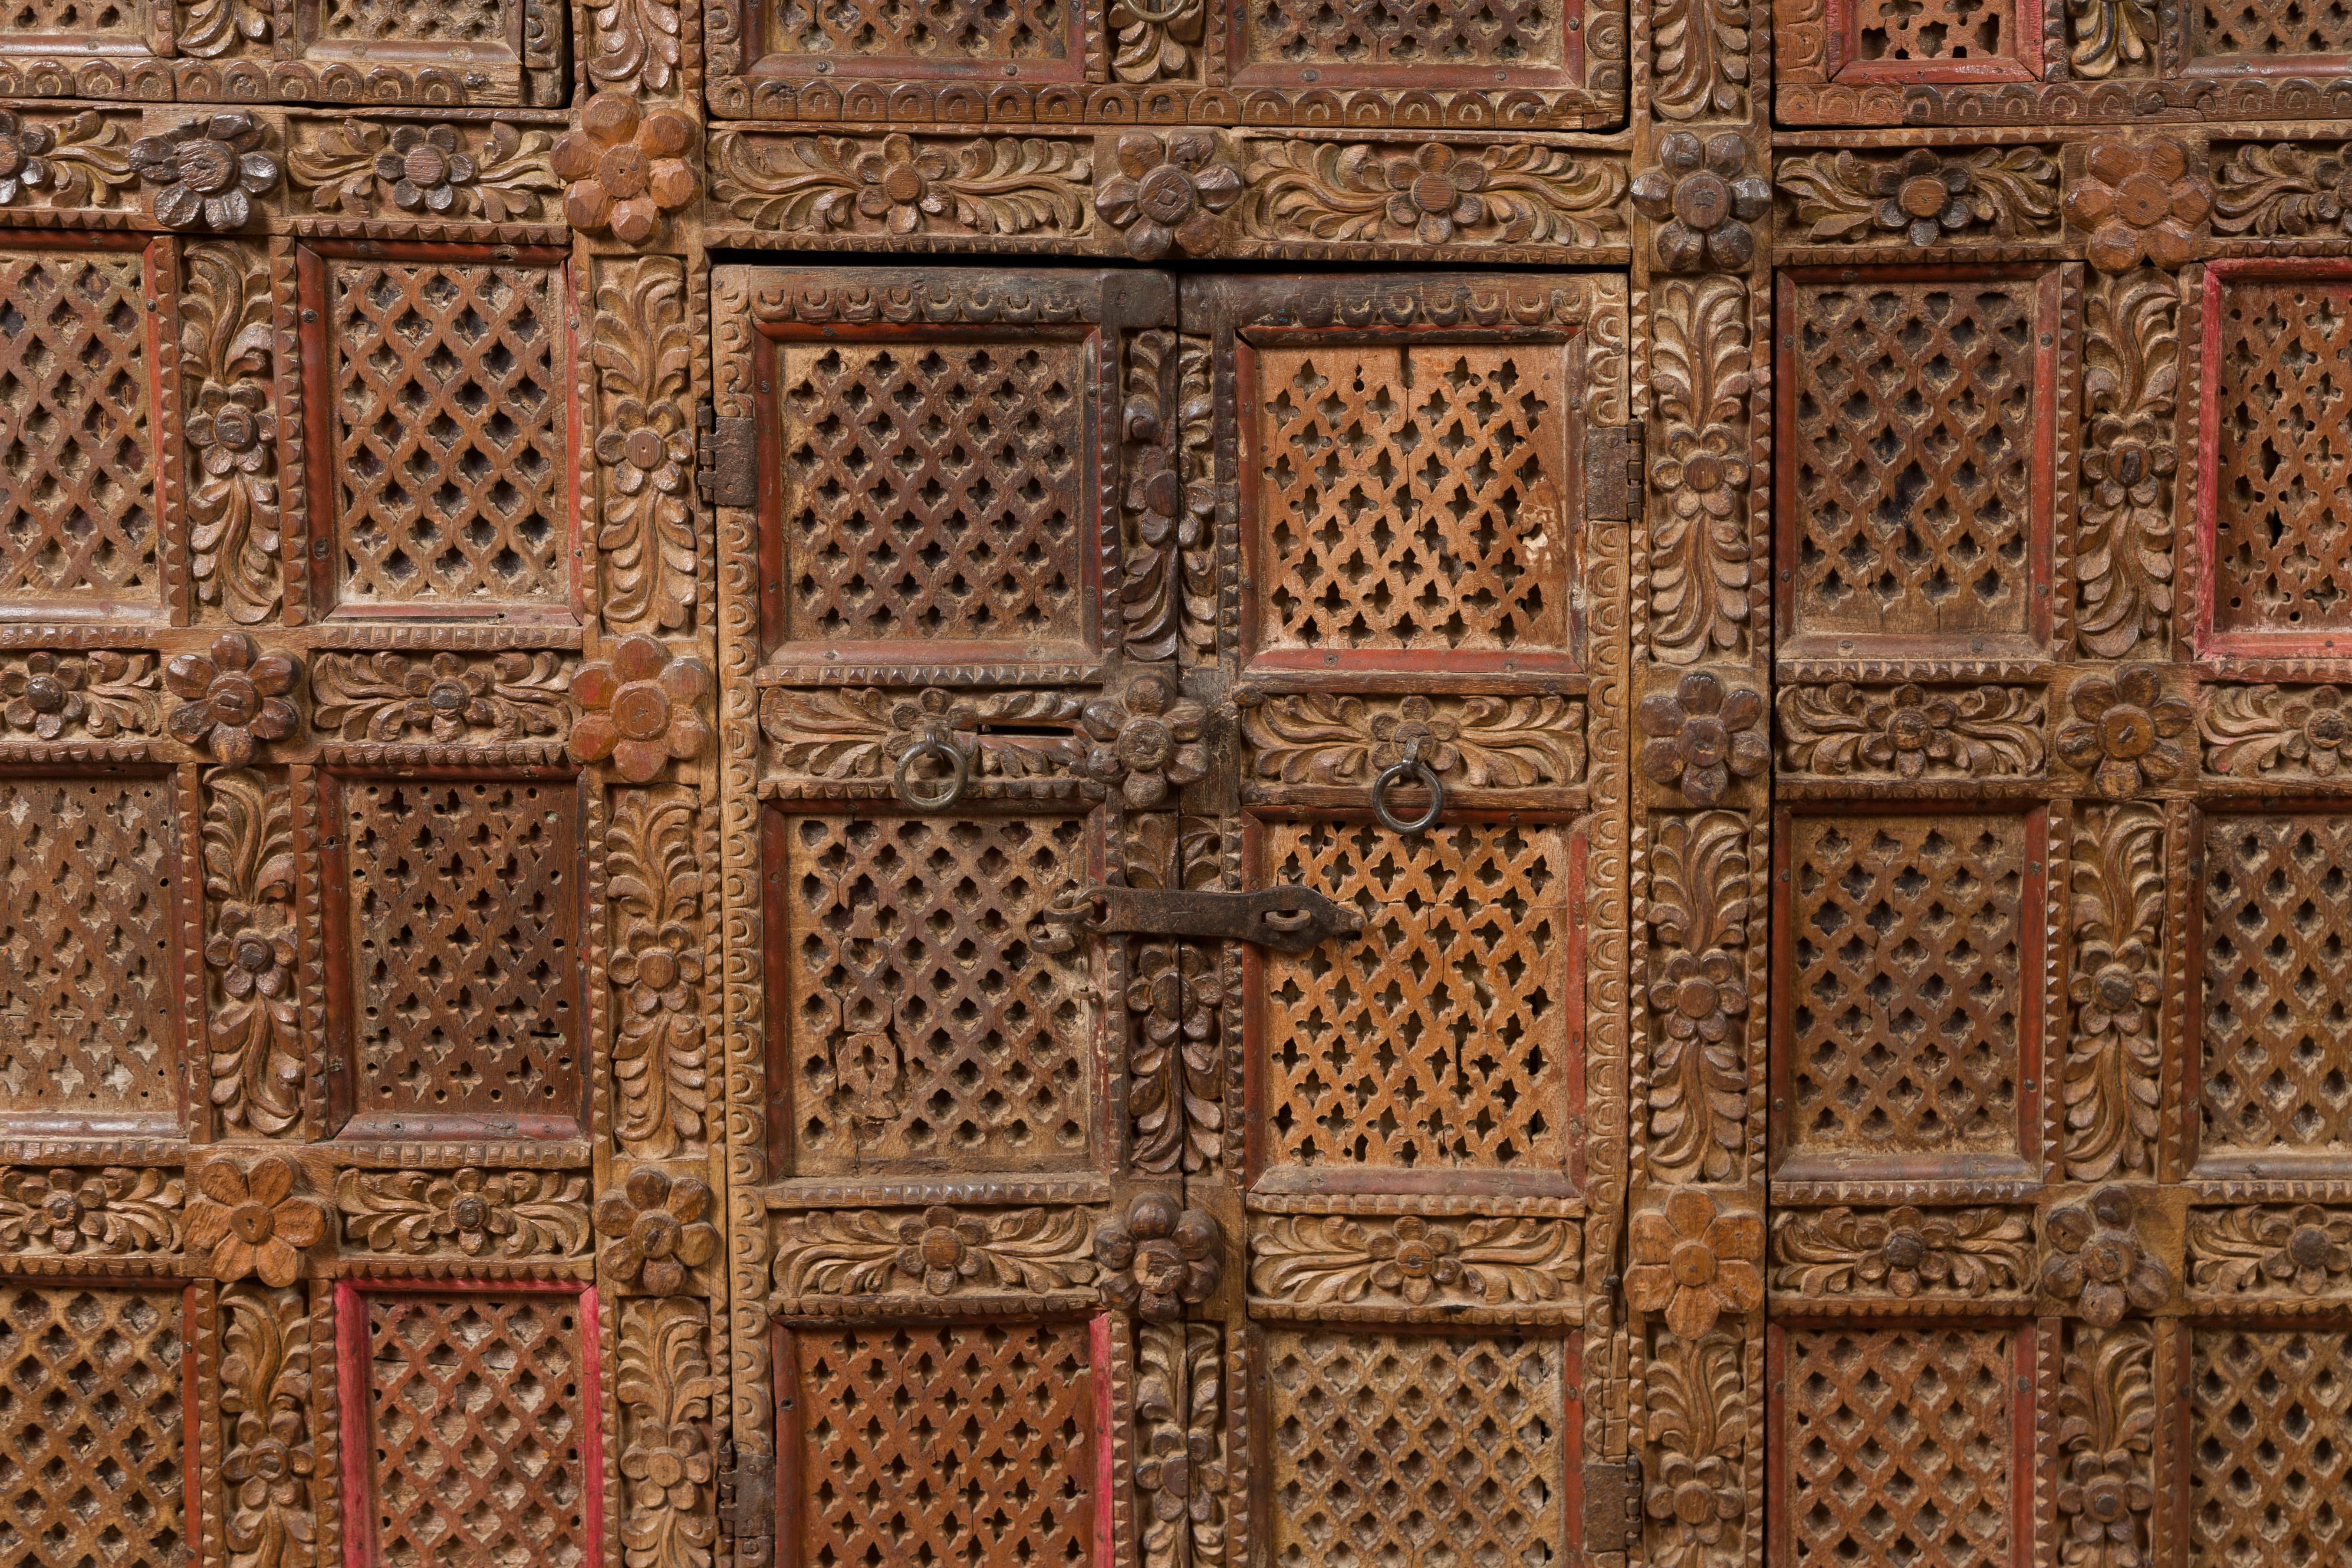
x=644, y=352
x=256, y=1058
x=2131, y=376
x=1700, y=898
x=2113, y=1054
x=1700, y=555
x=660, y=1050
x=226, y=343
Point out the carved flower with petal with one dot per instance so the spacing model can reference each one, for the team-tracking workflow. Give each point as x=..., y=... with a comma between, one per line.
x=639, y=708
x=2101, y=1501
x=1700, y=1495
x=1161, y=1259
x=23, y=169
x=903, y=184
x=2096, y=1257
x=1168, y=192
x=940, y=1247
x=250, y=1222
x=252, y=948
x=2114, y=992
x=1147, y=742
x=1700, y=996
x=446, y=695
x=2318, y=731
x=232, y=699
x=1435, y=191
x=1416, y=726
x=47, y=694
x=1908, y=1250
x=2306, y=1246
x=270, y=1459
x=1701, y=737
x=656, y=1230
x=1705, y=197
x=1413, y=1259
x=1694, y=1264
x=1923, y=195
x=1179, y=1475
x=423, y=168
x=645, y=446
x=670, y=1467
x=1703, y=470
x=626, y=167
x=206, y=172
x=1908, y=729
x=232, y=428
x=70, y=1204
x=2139, y=204
x=2121, y=731
x=469, y=1211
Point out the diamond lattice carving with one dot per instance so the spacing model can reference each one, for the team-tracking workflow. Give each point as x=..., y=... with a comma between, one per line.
x=449, y=427
x=2273, y=28
x=464, y=922
x=77, y=521
x=109, y=20
x=933, y=491
x=1409, y=497
x=85, y=992
x=1438, y=1037
x=1913, y=454
x=940, y=30
x=2282, y=507
x=961, y=1443
x=478, y=1429
x=1403, y=33
x=925, y=1026
x=1906, y=985
x=2268, y=1464
x=1933, y=29
x=1416, y=1449
x=2277, y=1027
x=1899, y=1444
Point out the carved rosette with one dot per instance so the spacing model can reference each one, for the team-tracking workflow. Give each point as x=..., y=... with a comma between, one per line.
x=110, y=1211
x=2093, y=1258
x=469, y=1212
x=936, y=1251
x=1904, y=1252
x=1911, y=733
x=1310, y=1263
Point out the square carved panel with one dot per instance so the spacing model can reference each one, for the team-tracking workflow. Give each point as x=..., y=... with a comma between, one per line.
x=1917, y=416
x=89, y=1030
x=470, y=1416
x=440, y=388
x=84, y=415
x=919, y=1027
x=1908, y=1010
x=454, y=955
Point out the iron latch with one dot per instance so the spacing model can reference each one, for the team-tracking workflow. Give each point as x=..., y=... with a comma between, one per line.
x=747, y=1491
x=1612, y=1504
x=1287, y=919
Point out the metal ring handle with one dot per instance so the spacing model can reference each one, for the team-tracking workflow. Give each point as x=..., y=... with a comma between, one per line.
x=932, y=746
x=1409, y=766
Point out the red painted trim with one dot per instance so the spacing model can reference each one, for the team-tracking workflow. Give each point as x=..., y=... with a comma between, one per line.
x=2024, y=1454
x=1104, y=1514
x=1579, y=1005
x=354, y=1417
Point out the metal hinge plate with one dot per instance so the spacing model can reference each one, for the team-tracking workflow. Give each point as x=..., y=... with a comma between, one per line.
x=1612, y=1504
x=1286, y=919
x=747, y=1491
x=729, y=470
x=1613, y=473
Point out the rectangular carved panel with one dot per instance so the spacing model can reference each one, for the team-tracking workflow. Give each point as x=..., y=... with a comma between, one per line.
x=999, y=1467
x=91, y=1427
x=1916, y=415
x=1376, y=40
x=1440, y=1036
x=945, y=33
x=2267, y=1460
x=1910, y=951
x=2274, y=1034
x=922, y=1029
x=448, y=484
x=1411, y=499
x=1899, y=1444
x=2280, y=540
x=934, y=492
x=1417, y=1448
x=86, y=995
x=479, y=1441
x=457, y=908
x=79, y=525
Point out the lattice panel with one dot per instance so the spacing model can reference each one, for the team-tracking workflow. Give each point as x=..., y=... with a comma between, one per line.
x=1934, y=29
x=109, y=20
x=1898, y=1445
x=417, y=21
x=1908, y=975
x=1403, y=33
x=2267, y=1459
x=2281, y=508
x=465, y=945
x=925, y=1027
x=1412, y=1448
x=1409, y=497
x=934, y=490
x=2277, y=983
x=449, y=429
x=91, y=1428
x=1438, y=1037
x=480, y=1426
x=1913, y=450
x=85, y=992
x=963, y=1444
x=923, y=29
x=2274, y=27
x=77, y=520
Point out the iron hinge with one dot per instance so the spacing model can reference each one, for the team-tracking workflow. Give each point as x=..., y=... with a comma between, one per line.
x=1612, y=1504
x=728, y=472
x=1286, y=919
x=1613, y=473
x=747, y=1491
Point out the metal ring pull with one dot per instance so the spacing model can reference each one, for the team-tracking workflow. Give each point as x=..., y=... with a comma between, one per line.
x=960, y=773
x=1409, y=766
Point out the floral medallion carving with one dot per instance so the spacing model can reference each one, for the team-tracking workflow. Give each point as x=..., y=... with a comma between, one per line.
x=940, y=1251
x=1903, y=1252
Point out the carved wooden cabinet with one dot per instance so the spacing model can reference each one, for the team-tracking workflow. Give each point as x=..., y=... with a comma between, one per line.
x=1174, y=784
